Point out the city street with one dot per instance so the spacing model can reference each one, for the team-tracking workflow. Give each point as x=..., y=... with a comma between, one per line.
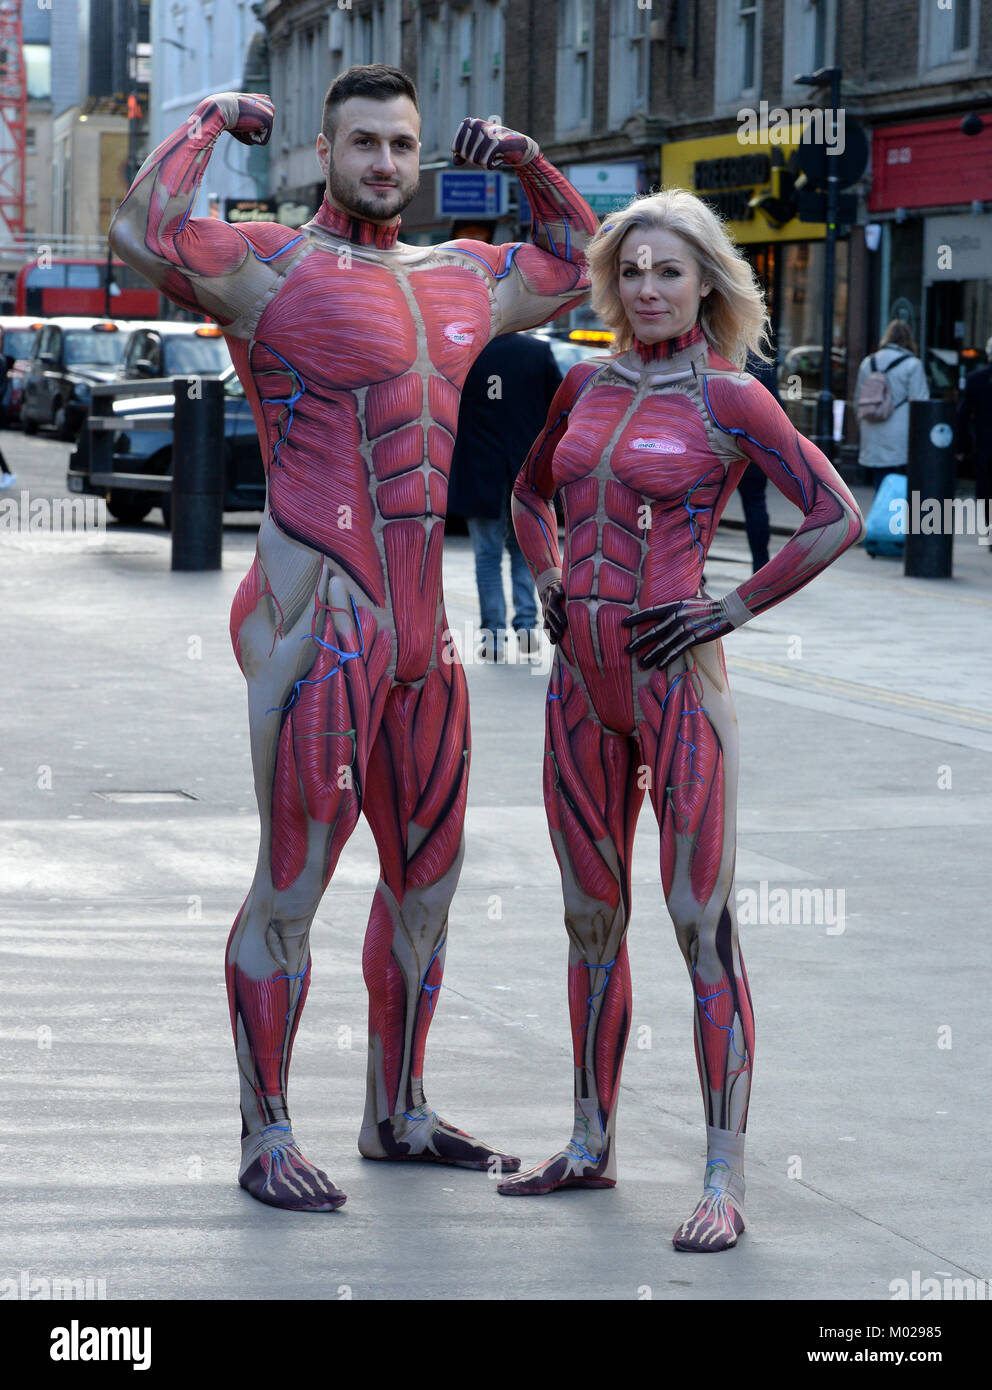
x=128, y=835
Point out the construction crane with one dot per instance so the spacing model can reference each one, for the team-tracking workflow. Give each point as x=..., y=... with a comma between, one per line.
x=13, y=121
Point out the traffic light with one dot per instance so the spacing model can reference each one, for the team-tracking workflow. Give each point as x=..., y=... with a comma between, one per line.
x=779, y=203
x=812, y=203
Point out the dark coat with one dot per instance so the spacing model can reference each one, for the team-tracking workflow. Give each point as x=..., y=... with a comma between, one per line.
x=974, y=426
x=504, y=406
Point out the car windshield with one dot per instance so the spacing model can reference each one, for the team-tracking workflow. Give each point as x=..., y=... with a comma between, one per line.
x=17, y=341
x=192, y=354
x=92, y=348
x=232, y=385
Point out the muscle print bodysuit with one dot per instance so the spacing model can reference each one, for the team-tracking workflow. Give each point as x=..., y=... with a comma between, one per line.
x=352, y=348
x=644, y=451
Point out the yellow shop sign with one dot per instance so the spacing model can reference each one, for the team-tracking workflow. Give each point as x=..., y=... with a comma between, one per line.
x=748, y=181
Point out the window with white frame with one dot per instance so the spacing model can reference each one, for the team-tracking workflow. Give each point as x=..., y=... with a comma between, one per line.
x=464, y=39
x=490, y=32
x=575, y=54
x=207, y=12
x=808, y=40
x=738, y=51
x=629, y=58
x=948, y=37
x=177, y=48
x=363, y=49
x=457, y=70
x=432, y=85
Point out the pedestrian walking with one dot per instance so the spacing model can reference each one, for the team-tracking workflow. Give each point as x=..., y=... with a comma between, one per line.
x=7, y=478
x=504, y=403
x=887, y=381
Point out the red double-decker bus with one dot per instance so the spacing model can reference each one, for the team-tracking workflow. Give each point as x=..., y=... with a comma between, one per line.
x=69, y=285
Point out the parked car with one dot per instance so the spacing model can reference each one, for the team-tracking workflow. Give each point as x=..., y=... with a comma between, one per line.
x=68, y=356
x=167, y=348
x=804, y=362
x=576, y=346
x=149, y=451
x=17, y=335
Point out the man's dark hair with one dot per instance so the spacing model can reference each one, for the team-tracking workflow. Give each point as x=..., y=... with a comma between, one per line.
x=375, y=80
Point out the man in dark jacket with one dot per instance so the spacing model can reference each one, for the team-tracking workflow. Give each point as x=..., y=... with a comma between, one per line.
x=974, y=426
x=504, y=405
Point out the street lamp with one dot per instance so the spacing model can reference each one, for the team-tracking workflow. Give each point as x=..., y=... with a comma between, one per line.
x=824, y=437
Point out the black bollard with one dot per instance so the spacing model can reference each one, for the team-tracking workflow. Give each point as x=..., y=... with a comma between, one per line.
x=930, y=476
x=198, y=481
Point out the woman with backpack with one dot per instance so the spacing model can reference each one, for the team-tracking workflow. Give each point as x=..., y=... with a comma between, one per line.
x=887, y=381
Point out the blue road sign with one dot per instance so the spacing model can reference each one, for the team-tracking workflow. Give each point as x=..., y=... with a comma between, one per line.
x=471, y=193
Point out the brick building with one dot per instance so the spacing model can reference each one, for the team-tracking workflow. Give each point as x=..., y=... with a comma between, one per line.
x=627, y=94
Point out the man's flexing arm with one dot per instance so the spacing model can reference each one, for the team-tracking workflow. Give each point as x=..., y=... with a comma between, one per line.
x=533, y=282
x=202, y=263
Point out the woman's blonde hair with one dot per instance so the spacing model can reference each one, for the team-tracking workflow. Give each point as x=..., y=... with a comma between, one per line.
x=732, y=315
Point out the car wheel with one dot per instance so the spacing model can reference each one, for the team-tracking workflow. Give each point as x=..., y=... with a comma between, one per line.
x=128, y=508
x=165, y=502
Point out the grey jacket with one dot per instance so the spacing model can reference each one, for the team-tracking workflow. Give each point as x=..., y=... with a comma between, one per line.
x=885, y=443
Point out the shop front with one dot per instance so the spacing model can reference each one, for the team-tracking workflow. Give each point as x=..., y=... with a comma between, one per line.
x=930, y=185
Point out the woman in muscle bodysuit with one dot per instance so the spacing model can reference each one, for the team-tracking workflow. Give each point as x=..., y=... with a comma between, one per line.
x=644, y=449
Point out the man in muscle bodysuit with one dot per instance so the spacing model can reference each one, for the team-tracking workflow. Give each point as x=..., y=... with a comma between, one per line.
x=352, y=349
x=645, y=449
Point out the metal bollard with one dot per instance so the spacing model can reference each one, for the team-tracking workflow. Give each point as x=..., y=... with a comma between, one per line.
x=198, y=481
x=930, y=474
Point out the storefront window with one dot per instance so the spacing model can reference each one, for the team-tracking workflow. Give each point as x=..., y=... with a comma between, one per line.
x=904, y=253
x=798, y=318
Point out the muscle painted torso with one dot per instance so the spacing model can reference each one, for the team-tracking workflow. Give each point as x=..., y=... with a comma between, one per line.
x=642, y=486
x=357, y=429
x=644, y=460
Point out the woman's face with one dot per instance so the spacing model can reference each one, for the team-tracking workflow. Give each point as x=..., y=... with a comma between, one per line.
x=660, y=286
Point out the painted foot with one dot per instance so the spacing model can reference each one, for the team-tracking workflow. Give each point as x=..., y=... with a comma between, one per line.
x=420, y=1136
x=283, y=1177
x=572, y=1167
x=714, y=1225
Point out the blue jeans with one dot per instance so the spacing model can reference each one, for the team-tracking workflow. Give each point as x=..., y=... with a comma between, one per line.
x=489, y=535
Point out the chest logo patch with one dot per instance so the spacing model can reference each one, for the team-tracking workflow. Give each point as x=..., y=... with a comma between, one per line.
x=458, y=333
x=659, y=446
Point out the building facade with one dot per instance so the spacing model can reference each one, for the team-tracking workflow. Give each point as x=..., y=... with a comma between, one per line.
x=628, y=95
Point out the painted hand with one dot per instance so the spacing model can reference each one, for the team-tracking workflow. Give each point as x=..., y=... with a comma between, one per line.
x=675, y=627
x=490, y=146
x=553, y=603
x=249, y=115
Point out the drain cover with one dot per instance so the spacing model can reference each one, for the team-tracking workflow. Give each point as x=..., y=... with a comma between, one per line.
x=143, y=798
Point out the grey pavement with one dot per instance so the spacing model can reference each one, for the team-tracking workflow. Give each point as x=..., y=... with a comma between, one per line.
x=866, y=734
